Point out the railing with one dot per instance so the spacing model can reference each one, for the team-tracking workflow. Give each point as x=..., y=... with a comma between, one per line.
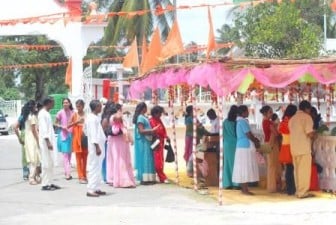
x=11, y=108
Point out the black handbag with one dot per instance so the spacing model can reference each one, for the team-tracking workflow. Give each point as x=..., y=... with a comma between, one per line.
x=108, y=131
x=170, y=156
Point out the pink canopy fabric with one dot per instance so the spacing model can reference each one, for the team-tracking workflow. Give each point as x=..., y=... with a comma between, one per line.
x=224, y=80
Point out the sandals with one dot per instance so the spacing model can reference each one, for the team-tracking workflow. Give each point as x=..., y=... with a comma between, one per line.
x=99, y=192
x=308, y=195
x=33, y=182
x=89, y=194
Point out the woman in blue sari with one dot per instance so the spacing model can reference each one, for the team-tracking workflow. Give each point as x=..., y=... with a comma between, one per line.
x=144, y=162
x=229, y=144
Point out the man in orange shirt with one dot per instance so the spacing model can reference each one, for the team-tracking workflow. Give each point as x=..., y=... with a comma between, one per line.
x=301, y=133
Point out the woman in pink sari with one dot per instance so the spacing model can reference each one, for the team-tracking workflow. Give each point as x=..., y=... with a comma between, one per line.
x=119, y=146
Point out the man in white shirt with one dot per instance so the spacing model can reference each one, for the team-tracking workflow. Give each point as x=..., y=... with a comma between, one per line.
x=46, y=142
x=214, y=121
x=96, y=141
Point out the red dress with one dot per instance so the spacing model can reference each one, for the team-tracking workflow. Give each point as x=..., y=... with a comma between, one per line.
x=285, y=155
x=158, y=153
x=266, y=124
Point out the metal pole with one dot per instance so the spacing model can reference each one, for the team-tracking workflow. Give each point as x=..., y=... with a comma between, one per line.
x=174, y=3
x=174, y=18
x=325, y=27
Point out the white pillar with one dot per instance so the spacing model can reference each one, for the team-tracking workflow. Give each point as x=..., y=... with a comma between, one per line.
x=120, y=84
x=75, y=39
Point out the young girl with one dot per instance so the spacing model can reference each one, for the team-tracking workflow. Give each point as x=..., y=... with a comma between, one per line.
x=64, y=140
x=77, y=123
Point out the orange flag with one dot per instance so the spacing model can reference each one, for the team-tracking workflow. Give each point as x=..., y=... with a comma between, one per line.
x=211, y=38
x=174, y=45
x=154, y=50
x=68, y=74
x=132, y=58
x=143, y=50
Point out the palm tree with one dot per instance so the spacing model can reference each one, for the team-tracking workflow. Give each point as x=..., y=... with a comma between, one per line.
x=121, y=29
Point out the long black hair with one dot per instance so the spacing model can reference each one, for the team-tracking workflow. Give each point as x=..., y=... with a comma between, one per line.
x=108, y=108
x=138, y=109
x=265, y=109
x=70, y=104
x=189, y=111
x=290, y=111
x=233, y=113
x=28, y=108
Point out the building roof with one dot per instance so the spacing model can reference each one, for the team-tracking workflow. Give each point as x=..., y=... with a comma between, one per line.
x=106, y=68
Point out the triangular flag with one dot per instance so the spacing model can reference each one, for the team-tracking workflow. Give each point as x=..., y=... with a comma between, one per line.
x=143, y=50
x=211, y=38
x=152, y=56
x=174, y=45
x=68, y=74
x=333, y=6
x=131, y=59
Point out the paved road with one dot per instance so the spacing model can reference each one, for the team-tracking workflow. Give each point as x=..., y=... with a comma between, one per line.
x=21, y=203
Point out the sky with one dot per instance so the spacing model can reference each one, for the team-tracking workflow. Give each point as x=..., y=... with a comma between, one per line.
x=194, y=22
x=11, y=9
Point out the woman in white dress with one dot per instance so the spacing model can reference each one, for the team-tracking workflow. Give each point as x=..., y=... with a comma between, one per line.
x=245, y=168
x=32, y=149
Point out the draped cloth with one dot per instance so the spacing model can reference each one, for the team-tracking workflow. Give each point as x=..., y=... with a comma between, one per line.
x=223, y=79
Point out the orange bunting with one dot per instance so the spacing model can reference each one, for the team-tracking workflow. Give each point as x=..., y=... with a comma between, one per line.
x=211, y=37
x=68, y=74
x=53, y=18
x=132, y=57
x=152, y=56
x=45, y=65
x=174, y=44
x=159, y=10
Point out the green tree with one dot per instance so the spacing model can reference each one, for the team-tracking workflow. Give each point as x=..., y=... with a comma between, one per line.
x=274, y=30
x=285, y=30
x=122, y=29
x=226, y=34
x=33, y=82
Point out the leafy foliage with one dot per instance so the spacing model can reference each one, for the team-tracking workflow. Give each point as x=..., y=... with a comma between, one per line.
x=273, y=30
x=122, y=29
x=33, y=82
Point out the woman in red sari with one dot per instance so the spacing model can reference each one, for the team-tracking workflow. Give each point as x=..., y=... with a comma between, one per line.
x=161, y=134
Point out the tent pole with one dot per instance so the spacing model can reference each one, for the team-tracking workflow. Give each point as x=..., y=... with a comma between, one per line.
x=221, y=155
x=171, y=105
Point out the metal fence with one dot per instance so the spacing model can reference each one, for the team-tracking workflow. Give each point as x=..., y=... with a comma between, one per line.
x=11, y=108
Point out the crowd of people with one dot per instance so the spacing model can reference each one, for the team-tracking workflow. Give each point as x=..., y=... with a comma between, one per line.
x=289, y=149
x=100, y=140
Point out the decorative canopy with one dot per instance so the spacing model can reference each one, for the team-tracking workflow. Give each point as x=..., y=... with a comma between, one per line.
x=226, y=77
